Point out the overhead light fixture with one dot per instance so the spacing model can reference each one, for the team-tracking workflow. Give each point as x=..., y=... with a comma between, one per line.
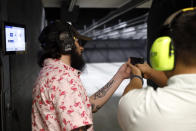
x=128, y=29
x=120, y=25
x=106, y=30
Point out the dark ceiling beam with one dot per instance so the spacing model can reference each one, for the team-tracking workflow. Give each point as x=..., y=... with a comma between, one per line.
x=69, y=11
x=71, y=5
x=65, y=4
x=125, y=8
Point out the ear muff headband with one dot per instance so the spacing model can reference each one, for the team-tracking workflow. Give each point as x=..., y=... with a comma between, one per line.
x=162, y=54
x=188, y=9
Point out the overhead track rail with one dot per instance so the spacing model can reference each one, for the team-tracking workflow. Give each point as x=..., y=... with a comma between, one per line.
x=125, y=8
x=136, y=21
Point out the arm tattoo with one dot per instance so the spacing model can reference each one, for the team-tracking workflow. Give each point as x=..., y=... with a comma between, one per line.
x=104, y=90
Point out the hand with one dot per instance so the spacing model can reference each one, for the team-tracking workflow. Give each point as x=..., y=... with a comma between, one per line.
x=145, y=69
x=124, y=71
x=135, y=70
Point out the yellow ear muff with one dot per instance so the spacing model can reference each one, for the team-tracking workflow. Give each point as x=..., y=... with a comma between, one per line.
x=162, y=54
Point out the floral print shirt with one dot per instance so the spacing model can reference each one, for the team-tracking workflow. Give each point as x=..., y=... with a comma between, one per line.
x=60, y=102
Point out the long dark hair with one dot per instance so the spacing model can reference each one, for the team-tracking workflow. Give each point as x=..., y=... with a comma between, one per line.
x=50, y=53
x=53, y=46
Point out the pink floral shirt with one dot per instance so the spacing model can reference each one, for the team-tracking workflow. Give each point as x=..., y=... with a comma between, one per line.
x=60, y=102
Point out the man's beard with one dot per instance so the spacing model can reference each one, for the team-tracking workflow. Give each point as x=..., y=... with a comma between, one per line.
x=77, y=61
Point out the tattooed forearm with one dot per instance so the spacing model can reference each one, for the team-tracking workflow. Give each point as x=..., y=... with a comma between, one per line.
x=95, y=108
x=104, y=90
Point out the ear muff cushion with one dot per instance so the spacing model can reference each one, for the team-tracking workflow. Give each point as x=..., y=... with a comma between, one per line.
x=57, y=35
x=66, y=42
x=162, y=54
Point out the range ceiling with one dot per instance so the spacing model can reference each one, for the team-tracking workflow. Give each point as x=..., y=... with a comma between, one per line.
x=95, y=17
x=93, y=3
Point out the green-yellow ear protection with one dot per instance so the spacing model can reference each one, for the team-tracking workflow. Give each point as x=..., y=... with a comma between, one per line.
x=162, y=56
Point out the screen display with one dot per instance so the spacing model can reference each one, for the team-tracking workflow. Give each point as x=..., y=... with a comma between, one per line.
x=14, y=38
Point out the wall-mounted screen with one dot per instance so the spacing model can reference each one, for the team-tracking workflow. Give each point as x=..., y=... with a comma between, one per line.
x=14, y=38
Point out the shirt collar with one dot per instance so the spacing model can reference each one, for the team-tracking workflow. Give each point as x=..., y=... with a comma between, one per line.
x=61, y=64
x=182, y=79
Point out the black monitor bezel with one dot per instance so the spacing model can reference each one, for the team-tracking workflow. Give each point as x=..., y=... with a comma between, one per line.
x=4, y=38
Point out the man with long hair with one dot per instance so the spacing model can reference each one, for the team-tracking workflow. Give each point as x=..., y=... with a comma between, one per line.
x=60, y=102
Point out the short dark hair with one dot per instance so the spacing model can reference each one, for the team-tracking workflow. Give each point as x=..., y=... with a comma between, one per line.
x=184, y=37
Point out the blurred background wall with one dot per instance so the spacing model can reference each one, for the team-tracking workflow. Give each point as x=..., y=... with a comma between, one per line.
x=18, y=72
